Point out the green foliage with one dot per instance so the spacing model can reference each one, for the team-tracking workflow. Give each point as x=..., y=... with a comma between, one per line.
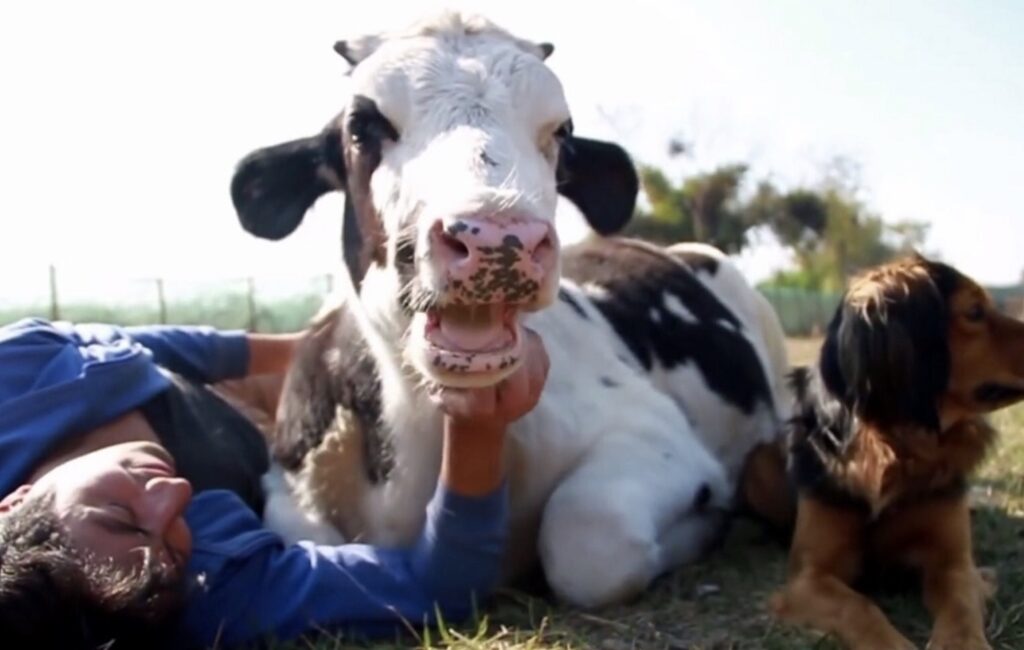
x=833, y=235
x=830, y=230
x=706, y=208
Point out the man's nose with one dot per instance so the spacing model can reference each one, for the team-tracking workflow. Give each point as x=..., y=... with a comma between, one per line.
x=164, y=503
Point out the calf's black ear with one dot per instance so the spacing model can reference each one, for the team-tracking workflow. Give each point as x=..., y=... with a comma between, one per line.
x=273, y=187
x=600, y=179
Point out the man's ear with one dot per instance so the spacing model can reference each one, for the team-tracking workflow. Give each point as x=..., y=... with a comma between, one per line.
x=600, y=179
x=273, y=187
x=14, y=499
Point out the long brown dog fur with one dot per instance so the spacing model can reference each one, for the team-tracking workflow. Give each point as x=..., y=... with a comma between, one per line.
x=886, y=430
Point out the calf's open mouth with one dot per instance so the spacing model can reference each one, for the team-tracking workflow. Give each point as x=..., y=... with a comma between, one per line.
x=473, y=339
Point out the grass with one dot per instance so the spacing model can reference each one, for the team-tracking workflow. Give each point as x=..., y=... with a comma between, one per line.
x=720, y=604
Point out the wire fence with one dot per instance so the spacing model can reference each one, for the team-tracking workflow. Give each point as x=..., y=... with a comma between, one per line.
x=284, y=304
x=279, y=304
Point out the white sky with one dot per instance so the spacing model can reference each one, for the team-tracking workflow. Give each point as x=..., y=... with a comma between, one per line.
x=122, y=121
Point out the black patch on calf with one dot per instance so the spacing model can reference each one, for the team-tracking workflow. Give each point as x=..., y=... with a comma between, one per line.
x=636, y=278
x=698, y=261
x=363, y=238
x=213, y=445
x=316, y=389
x=608, y=382
x=567, y=298
x=352, y=245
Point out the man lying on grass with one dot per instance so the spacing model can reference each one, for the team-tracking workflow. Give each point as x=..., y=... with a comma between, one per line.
x=133, y=499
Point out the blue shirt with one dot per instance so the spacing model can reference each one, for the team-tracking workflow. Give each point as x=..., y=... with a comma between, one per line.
x=59, y=380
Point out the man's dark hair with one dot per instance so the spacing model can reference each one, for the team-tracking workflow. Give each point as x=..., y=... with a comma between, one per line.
x=52, y=596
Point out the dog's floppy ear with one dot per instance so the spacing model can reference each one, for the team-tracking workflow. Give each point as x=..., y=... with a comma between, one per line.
x=600, y=179
x=273, y=187
x=887, y=356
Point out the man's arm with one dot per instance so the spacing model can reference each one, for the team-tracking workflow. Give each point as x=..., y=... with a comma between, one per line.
x=286, y=591
x=210, y=355
x=256, y=586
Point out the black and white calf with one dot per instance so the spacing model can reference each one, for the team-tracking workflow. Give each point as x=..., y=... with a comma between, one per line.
x=665, y=365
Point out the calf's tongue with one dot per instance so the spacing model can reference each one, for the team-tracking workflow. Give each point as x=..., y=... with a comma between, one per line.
x=478, y=328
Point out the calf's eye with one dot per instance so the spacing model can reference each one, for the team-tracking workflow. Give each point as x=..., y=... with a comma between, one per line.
x=367, y=126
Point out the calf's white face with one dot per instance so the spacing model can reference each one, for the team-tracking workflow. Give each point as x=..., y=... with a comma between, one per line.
x=451, y=152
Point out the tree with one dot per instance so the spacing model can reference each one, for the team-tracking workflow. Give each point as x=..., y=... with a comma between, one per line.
x=833, y=234
x=829, y=228
x=705, y=207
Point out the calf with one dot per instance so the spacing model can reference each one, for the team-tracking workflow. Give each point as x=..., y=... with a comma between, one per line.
x=664, y=364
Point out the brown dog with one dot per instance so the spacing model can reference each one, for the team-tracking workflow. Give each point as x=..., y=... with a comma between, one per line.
x=885, y=432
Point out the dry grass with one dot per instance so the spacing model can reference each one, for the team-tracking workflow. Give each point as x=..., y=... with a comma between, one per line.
x=720, y=604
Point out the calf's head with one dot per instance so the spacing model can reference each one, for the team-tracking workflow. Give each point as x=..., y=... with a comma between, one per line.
x=451, y=153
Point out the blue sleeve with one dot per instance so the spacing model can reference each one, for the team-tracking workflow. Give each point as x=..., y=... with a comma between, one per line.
x=199, y=353
x=285, y=591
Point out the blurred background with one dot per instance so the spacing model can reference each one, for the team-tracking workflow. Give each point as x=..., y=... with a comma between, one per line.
x=808, y=139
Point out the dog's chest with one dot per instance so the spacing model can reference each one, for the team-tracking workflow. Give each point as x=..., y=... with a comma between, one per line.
x=886, y=471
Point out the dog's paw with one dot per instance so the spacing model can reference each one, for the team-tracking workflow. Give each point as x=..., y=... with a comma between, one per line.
x=778, y=605
x=900, y=642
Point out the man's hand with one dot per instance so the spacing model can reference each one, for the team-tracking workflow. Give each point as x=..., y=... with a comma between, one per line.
x=271, y=354
x=495, y=407
x=476, y=418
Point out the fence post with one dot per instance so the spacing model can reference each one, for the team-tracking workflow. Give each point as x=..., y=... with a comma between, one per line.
x=251, y=297
x=54, y=302
x=161, y=300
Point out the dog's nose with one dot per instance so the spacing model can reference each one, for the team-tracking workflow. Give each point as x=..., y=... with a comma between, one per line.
x=487, y=261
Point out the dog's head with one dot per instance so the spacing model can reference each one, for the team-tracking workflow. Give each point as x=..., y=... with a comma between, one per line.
x=451, y=152
x=916, y=342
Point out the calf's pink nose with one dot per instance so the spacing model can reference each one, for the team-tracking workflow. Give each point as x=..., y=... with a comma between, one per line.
x=489, y=261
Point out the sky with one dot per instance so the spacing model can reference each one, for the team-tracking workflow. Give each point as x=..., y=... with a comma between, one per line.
x=122, y=121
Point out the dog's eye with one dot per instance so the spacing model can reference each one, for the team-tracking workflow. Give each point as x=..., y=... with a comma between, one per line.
x=976, y=313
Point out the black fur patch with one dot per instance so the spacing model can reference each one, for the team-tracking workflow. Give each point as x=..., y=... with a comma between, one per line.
x=567, y=298
x=890, y=359
x=213, y=445
x=316, y=388
x=698, y=261
x=821, y=428
x=636, y=278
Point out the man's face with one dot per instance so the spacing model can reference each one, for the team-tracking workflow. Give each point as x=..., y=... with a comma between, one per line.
x=123, y=503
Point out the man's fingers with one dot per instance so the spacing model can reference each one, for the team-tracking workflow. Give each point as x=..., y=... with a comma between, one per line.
x=466, y=403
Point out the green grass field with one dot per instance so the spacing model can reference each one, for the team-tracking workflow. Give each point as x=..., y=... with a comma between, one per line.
x=720, y=603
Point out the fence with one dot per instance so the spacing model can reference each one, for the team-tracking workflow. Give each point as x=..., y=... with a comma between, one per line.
x=802, y=312
x=807, y=313
x=255, y=304
x=286, y=304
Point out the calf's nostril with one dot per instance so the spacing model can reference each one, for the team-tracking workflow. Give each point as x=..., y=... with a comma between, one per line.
x=453, y=245
x=543, y=248
x=702, y=498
